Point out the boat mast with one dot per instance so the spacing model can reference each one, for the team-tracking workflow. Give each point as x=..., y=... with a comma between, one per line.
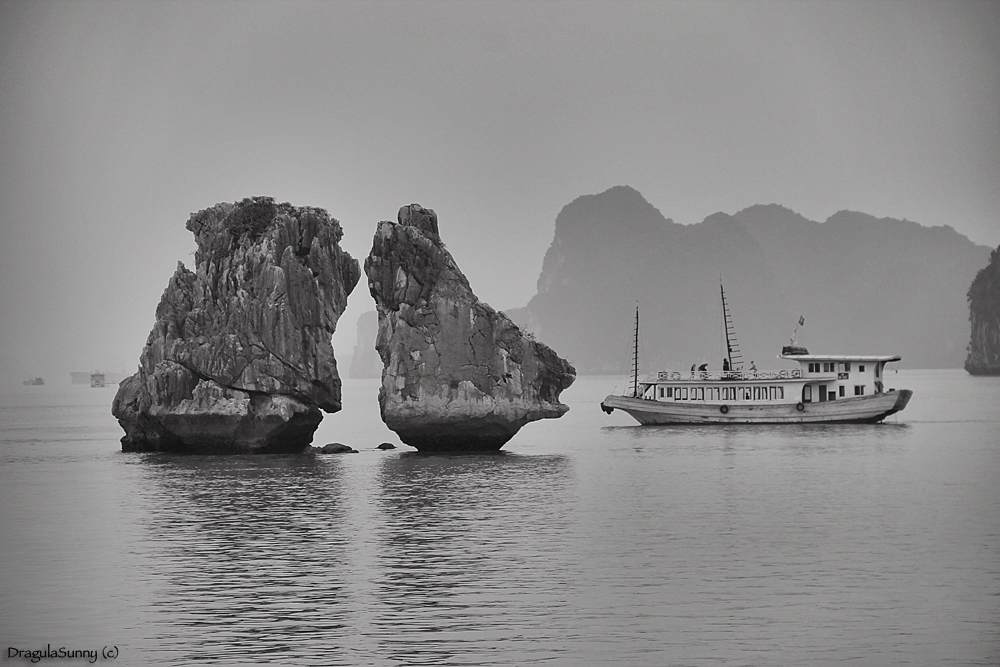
x=635, y=356
x=732, y=346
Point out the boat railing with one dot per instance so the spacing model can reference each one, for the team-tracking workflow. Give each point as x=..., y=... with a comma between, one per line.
x=728, y=376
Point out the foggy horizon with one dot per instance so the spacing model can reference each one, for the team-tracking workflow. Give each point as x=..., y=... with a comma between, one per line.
x=117, y=121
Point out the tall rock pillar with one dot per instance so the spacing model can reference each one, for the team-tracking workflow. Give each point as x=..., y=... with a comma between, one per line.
x=458, y=375
x=984, y=313
x=240, y=359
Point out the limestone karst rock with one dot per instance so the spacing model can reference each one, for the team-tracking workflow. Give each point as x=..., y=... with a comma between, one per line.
x=862, y=283
x=984, y=313
x=240, y=359
x=458, y=375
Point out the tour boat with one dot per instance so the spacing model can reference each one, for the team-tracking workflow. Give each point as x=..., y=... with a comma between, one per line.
x=824, y=388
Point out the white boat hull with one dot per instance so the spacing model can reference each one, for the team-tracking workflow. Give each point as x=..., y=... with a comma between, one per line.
x=855, y=410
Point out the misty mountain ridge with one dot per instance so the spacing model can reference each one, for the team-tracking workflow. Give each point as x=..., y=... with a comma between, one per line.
x=865, y=285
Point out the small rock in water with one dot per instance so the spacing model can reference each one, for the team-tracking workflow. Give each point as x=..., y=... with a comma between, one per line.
x=338, y=448
x=387, y=445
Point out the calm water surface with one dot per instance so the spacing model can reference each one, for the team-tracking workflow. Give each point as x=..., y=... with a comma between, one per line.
x=588, y=541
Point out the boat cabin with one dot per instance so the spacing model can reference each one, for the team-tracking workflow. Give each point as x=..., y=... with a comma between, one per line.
x=819, y=378
x=832, y=377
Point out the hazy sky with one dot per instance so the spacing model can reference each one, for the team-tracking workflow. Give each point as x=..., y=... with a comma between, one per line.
x=118, y=119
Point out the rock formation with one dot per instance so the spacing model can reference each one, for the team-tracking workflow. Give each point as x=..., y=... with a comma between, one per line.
x=984, y=313
x=457, y=375
x=240, y=359
x=864, y=284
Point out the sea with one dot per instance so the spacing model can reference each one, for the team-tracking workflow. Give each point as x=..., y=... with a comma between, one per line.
x=587, y=540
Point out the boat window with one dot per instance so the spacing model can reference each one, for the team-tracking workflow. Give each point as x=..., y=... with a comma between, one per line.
x=859, y=390
x=876, y=370
x=781, y=393
x=841, y=390
x=661, y=392
x=807, y=394
x=832, y=395
x=701, y=393
x=847, y=367
x=684, y=393
x=670, y=392
x=861, y=368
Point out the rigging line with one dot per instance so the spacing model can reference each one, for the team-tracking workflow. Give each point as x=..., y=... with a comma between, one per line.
x=635, y=360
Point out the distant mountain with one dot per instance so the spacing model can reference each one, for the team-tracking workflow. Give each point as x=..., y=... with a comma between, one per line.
x=864, y=285
x=365, y=362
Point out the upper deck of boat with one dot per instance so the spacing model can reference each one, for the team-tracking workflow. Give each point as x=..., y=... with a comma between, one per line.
x=862, y=358
x=724, y=376
x=809, y=370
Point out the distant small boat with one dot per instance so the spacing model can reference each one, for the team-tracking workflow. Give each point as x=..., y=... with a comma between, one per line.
x=83, y=377
x=97, y=379
x=823, y=389
x=34, y=382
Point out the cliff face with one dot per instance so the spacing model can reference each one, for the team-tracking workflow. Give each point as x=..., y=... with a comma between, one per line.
x=984, y=313
x=240, y=358
x=864, y=285
x=457, y=374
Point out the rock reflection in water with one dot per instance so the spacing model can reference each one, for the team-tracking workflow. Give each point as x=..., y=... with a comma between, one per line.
x=474, y=557
x=247, y=552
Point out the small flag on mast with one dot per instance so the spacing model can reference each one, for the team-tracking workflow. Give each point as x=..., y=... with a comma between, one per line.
x=802, y=320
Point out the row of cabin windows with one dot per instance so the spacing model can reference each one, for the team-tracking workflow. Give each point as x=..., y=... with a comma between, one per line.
x=831, y=367
x=722, y=393
x=859, y=390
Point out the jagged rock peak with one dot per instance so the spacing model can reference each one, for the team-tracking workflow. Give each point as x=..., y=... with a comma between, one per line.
x=457, y=374
x=424, y=219
x=617, y=210
x=984, y=314
x=240, y=357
